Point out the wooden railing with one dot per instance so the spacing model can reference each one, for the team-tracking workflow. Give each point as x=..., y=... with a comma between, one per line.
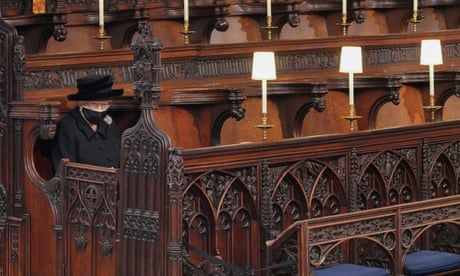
x=241, y=196
x=378, y=237
x=370, y=190
x=224, y=200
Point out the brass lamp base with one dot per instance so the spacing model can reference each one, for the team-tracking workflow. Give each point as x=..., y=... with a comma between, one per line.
x=269, y=28
x=345, y=25
x=264, y=126
x=186, y=33
x=352, y=117
x=432, y=109
x=102, y=37
x=415, y=21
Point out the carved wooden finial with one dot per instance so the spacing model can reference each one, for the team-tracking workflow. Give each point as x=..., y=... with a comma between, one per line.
x=147, y=66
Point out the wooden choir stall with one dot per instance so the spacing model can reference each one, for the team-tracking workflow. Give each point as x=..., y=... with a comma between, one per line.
x=209, y=186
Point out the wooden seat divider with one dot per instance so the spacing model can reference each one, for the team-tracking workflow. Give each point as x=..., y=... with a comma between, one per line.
x=379, y=237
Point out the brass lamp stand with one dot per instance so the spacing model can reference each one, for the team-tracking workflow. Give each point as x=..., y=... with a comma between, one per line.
x=415, y=21
x=102, y=36
x=431, y=55
x=186, y=32
x=345, y=25
x=352, y=117
x=269, y=28
x=432, y=108
x=264, y=126
x=264, y=69
x=351, y=63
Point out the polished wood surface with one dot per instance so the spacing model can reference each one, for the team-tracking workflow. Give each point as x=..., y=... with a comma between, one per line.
x=195, y=171
x=379, y=237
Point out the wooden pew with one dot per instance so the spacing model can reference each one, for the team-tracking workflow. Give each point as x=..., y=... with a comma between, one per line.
x=279, y=183
x=84, y=202
x=241, y=195
x=380, y=237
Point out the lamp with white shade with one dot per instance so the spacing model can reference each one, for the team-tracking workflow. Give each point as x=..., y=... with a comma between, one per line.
x=264, y=69
x=351, y=63
x=431, y=55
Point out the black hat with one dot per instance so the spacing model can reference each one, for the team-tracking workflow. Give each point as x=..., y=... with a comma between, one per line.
x=95, y=88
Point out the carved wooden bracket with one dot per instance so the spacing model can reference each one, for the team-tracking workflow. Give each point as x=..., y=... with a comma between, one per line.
x=46, y=113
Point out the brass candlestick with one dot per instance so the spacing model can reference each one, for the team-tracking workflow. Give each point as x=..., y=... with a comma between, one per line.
x=415, y=21
x=352, y=117
x=269, y=28
x=186, y=32
x=264, y=126
x=432, y=108
x=101, y=37
x=345, y=25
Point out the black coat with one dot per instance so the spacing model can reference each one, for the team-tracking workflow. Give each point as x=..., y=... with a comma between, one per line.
x=75, y=140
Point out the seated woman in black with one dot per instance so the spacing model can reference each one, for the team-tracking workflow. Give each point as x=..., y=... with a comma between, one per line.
x=88, y=134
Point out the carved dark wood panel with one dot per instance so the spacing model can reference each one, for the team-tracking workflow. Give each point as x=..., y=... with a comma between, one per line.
x=388, y=177
x=308, y=188
x=377, y=237
x=150, y=177
x=314, y=181
x=220, y=217
x=91, y=199
x=444, y=171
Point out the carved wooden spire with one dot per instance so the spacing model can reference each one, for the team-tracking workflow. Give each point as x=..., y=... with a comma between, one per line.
x=150, y=197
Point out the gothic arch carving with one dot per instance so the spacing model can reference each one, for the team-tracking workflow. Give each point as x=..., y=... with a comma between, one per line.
x=386, y=178
x=306, y=189
x=216, y=205
x=444, y=172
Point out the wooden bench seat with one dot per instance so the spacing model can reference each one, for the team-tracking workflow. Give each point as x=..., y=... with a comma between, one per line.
x=381, y=237
x=351, y=269
x=429, y=262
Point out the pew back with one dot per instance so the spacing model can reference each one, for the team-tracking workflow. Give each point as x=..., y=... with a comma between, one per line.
x=378, y=237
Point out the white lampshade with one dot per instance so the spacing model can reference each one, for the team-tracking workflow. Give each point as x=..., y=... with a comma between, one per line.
x=431, y=53
x=263, y=66
x=351, y=60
